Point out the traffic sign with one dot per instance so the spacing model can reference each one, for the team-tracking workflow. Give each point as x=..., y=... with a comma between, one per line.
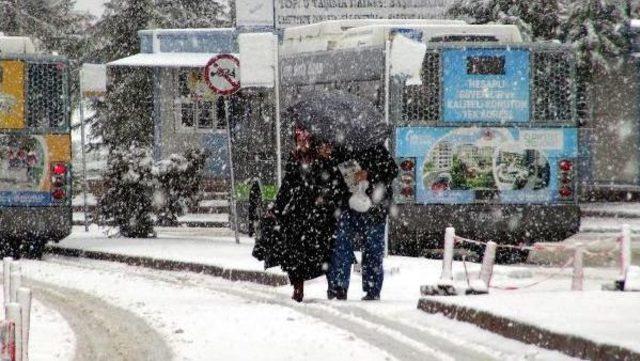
x=222, y=74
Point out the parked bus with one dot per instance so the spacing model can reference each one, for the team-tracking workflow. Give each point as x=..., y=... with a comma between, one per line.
x=484, y=131
x=35, y=148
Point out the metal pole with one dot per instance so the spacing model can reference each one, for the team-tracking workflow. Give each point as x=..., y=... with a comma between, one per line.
x=276, y=89
x=387, y=82
x=84, y=160
x=234, y=208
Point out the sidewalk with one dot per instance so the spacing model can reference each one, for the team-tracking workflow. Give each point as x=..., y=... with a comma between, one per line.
x=602, y=320
x=611, y=210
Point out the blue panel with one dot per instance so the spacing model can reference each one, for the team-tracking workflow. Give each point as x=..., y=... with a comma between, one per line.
x=217, y=164
x=454, y=163
x=198, y=42
x=486, y=85
x=25, y=198
x=146, y=43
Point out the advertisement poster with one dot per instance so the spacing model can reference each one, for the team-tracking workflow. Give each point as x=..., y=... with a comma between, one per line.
x=11, y=94
x=486, y=85
x=515, y=165
x=23, y=170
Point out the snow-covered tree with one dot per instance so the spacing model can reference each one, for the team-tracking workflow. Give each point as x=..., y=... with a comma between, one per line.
x=53, y=24
x=596, y=30
x=179, y=14
x=126, y=203
x=538, y=20
x=125, y=115
x=179, y=181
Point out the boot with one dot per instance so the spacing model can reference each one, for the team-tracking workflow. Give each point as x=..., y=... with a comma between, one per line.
x=339, y=293
x=298, y=291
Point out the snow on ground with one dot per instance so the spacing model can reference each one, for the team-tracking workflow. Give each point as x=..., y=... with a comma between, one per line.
x=563, y=310
x=608, y=224
x=210, y=246
x=627, y=209
x=608, y=317
x=204, y=324
x=605, y=317
x=51, y=338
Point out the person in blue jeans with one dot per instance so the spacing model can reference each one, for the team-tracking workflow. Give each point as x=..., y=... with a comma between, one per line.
x=378, y=169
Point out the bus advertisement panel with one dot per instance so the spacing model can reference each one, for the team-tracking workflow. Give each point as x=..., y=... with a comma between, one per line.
x=12, y=75
x=462, y=165
x=25, y=178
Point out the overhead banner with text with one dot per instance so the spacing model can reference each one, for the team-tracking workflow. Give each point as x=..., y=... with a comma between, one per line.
x=300, y=12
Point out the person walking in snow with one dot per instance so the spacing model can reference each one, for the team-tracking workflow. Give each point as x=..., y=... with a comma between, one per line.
x=304, y=211
x=369, y=174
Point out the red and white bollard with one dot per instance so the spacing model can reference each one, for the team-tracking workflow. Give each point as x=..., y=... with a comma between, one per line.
x=12, y=310
x=577, y=280
x=446, y=277
x=6, y=278
x=486, y=270
x=444, y=286
x=16, y=281
x=7, y=336
x=24, y=300
x=625, y=251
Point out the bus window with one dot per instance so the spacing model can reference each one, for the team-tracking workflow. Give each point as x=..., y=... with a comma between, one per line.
x=187, y=114
x=205, y=118
x=47, y=94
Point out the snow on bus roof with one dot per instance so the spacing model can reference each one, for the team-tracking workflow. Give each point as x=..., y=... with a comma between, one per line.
x=376, y=33
x=339, y=26
x=362, y=33
x=165, y=60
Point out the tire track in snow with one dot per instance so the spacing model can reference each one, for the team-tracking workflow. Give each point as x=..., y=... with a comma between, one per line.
x=402, y=341
x=103, y=332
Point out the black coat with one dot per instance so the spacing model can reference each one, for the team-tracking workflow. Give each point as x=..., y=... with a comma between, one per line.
x=305, y=212
x=382, y=169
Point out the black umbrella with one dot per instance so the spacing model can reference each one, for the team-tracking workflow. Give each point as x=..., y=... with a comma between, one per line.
x=340, y=118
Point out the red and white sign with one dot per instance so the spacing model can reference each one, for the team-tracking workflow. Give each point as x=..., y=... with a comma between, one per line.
x=222, y=74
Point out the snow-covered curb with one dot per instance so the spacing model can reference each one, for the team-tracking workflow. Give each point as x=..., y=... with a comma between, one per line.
x=260, y=277
x=517, y=329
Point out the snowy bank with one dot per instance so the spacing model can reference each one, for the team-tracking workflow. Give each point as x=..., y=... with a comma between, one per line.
x=540, y=296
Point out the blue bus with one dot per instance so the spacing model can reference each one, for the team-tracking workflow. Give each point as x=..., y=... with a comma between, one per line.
x=485, y=128
x=35, y=149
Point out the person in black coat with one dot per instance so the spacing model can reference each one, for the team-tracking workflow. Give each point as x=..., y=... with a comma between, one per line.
x=305, y=212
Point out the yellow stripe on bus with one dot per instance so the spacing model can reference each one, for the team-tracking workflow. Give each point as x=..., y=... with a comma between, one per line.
x=12, y=76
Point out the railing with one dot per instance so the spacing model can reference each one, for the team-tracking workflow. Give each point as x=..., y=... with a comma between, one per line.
x=621, y=244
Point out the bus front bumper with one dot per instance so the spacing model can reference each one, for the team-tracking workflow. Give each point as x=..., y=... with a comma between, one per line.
x=35, y=223
x=414, y=228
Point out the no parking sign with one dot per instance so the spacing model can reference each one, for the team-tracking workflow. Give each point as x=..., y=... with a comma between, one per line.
x=222, y=74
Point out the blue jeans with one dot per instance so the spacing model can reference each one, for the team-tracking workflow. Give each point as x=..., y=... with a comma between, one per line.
x=351, y=225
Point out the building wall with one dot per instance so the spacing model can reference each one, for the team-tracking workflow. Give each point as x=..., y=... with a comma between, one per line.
x=172, y=137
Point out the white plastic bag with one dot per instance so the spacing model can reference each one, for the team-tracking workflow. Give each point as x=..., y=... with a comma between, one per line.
x=359, y=201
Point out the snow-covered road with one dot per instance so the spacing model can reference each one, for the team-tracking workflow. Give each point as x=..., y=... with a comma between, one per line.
x=196, y=317
x=103, y=332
